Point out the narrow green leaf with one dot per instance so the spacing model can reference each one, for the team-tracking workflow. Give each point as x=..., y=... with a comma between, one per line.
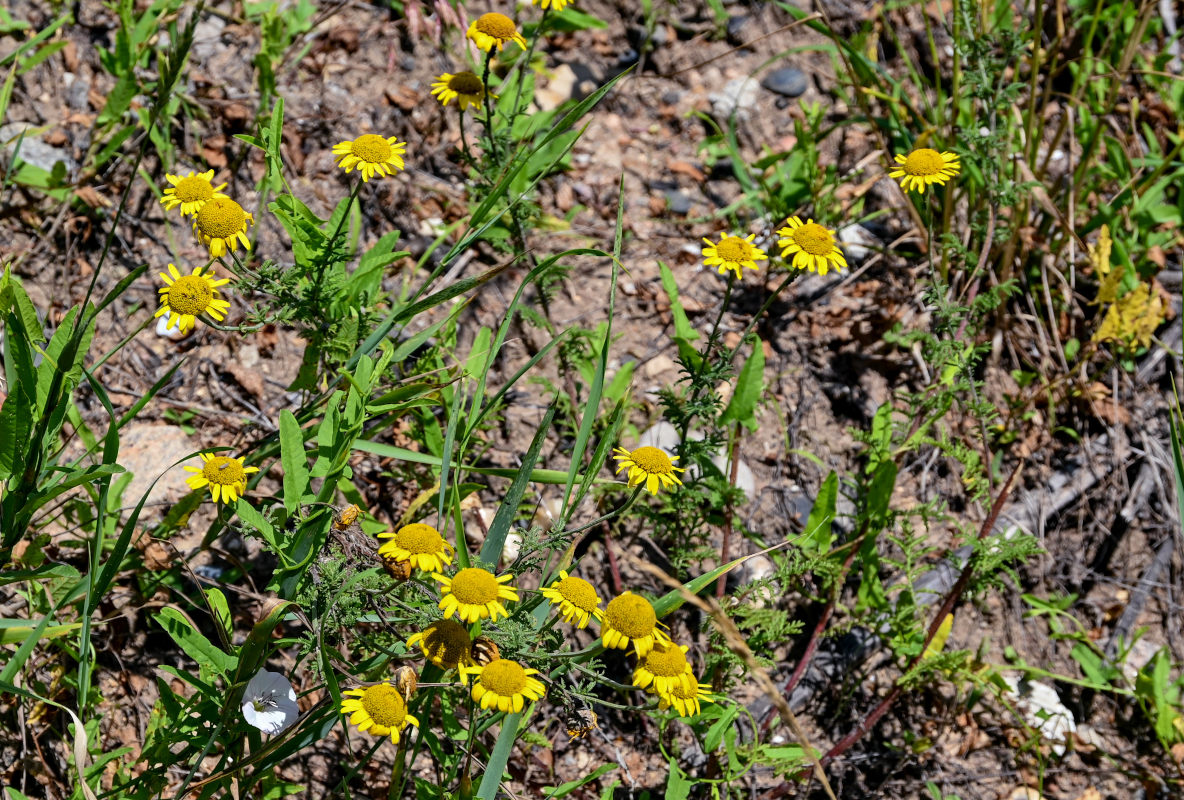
x=496, y=765
x=749, y=386
x=498, y=529
x=817, y=537
x=208, y=656
x=294, y=460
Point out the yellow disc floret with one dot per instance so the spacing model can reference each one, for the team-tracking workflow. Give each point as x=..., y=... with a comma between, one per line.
x=379, y=709
x=221, y=224
x=811, y=245
x=445, y=643
x=924, y=167
x=420, y=544
x=576, y=598
x=494, y=30
x=648, y=465
x=226, y=476
x=505, y=685
x=629, y=618
x=732, y=253
x=475, y=593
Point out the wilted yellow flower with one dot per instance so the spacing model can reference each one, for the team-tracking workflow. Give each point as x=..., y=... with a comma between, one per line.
x=732, y=253
x=465, y=87
x=650, y=466
x=494, y=30
x=1133, y=318
x=812, y=246
x=923, y=167
x=191, y=191
x=379, y=709
x=371, y=155
x=184, y=297
x=226, y=476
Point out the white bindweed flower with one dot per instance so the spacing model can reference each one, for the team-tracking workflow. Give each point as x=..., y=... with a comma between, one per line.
x=269, y=702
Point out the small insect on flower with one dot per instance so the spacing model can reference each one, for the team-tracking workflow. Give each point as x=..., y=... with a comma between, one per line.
x=475, y=593
x=812, y=246
x=379, y=709
x=924, y=167
x=221, y=224
x=184, y=297
x=483, y=651
x=576, y=598
x=465, y=87
x=650, y=466
x=505, y=685
x=732, y=253
x=269, y=702
x=191, y=192
x=494, y=30
x=629, y=618
x=396, y=568
x=445, y=643
x=371, y=155
x=420, y=544
x=580, y=723
x=226, y=476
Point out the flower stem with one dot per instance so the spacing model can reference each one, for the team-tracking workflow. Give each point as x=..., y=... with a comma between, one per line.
x=489, y=107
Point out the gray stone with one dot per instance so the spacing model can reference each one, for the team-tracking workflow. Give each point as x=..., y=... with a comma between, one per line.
x=31, y=149
x=678, y=202
x=787, y=82
x=857, y=241
x=737, y=97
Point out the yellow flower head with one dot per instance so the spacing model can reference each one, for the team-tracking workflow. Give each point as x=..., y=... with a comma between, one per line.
x=1132, y=319
x=811, y=245
x=732, y=253
x=420, y=544
x=558, y=5
x=191, y=192
x=371, y=155
x=686, y=698
x=184, y=297
x=221, y=224
x=445, y=643
x=474, y=593
x=650, y=466
x=505, y=685
x=379, y=709
x=923, y=167
x=226, y=476
x=576, y=599
x=466, y=87
x=494, y=30
x=630, y=618
x=663, y=668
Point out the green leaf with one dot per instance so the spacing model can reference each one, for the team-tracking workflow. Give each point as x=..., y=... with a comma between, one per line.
x=673, y=600
x=682, y=325
x=498, y=529
x=18, y=630
x=715, y=734
x=749, y=385
x=817, y=537
x=208, y=656
x=294, y=460
x=678, y=785
x=567, y=788
x=506, y=737
x=220, y=611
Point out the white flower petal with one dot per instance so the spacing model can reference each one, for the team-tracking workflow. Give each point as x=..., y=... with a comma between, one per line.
x=269, y=702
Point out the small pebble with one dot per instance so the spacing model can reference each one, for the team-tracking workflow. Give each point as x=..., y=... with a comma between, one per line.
x=787, y=82
x=678, y=202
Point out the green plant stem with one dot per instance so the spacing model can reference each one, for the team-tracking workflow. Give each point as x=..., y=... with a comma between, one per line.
x=538, y=34
x=493, y=148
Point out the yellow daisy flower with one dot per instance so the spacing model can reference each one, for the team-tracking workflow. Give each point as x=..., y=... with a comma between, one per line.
x=445, y=643
x=630, y=618
x=557, y=5
x=811, y=245
x=221, y=224
x=576, y=599
x=505, y=685
x=923, y=167
x=474, y=594
x=663, y=668
x=732, y=253
x=465, y=87
x=371, y=155
x=225, y=475
x=420, y=544
x=650, y=466
x=191, y=191
x=379, y=709
x=686, y=699
x=184, y=297
x=494, y=30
